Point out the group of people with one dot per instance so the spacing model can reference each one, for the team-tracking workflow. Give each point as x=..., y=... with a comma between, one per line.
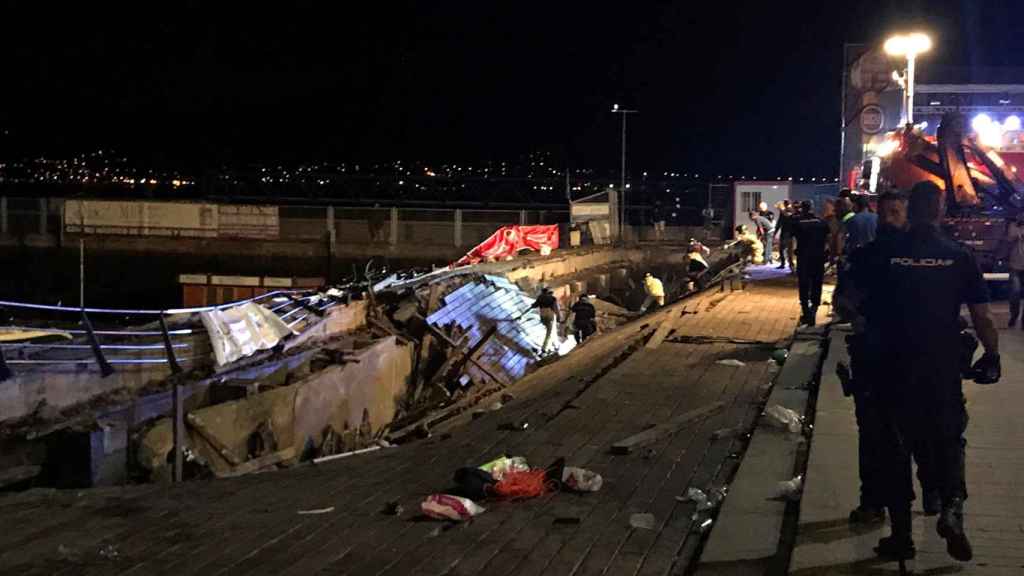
x=902, y=284
x=582, y=316
x=803, y=236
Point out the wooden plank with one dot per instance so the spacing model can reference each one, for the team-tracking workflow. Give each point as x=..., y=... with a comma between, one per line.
x=666, y=327
x=426, y=342
x=444, y=338
x=199, y=426
x=646, y=437
x=261, y=462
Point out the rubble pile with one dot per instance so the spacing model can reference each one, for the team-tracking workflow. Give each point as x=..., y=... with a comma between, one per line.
x=349, y=369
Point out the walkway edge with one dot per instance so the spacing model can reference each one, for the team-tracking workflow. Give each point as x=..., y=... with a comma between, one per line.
x=747, y=537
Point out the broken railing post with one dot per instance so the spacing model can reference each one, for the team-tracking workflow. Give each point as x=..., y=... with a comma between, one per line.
x=5, y=371
x=178, y=428
x=171, y=360
x=306, y=306
x=105, y=368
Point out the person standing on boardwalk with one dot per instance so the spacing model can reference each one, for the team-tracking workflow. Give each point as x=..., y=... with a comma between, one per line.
x=863, y=349
x=765, y=233
x=784, y=229
x=812, y=235
x=916, y=285
x=1015, y=236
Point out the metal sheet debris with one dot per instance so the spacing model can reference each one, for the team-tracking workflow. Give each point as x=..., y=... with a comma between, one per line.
x=243, y=330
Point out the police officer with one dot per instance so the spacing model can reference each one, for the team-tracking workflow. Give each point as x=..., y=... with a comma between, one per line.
x=862, y=347
x=812, y=235
x=916, y=284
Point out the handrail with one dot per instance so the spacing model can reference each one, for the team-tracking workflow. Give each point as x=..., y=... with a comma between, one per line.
x=298, y=299
x=76, y=310
x=182, y=332
x=86, y=346
x=110, y=361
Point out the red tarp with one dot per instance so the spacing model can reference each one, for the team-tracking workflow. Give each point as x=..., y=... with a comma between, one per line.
x=509, y=240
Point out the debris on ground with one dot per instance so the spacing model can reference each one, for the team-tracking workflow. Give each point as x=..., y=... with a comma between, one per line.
x=731, y=362
x=703, y=526
x=581, y=479
x=393, y=508
x=109, y=552
x=695, y=495
x=316, y=511
x=780, y=355
x=643, y=521
x=448, y=507
x=724, y=433
x=790, y=489
x=474, y=483
x=705, y=501
x=524, y=484
x=654, y=433
x=503, y=465
x=782, y=417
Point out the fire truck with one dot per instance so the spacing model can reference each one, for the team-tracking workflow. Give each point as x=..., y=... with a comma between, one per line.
x=976, y=163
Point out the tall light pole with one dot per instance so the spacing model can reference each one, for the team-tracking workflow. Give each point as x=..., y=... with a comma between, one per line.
x=622, y=180
x=909, y=46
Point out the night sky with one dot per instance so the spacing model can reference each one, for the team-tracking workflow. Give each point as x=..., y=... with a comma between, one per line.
x=749, y=88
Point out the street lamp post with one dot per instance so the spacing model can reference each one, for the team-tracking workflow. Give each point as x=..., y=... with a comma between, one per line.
x=622, y=182
x=909, y=46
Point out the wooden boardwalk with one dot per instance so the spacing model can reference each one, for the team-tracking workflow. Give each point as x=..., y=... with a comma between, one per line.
x=251, y=525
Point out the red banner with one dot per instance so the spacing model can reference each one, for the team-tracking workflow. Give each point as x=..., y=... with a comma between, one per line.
x=509, y=240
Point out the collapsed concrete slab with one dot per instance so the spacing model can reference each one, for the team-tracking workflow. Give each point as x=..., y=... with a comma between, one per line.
x=354, y=400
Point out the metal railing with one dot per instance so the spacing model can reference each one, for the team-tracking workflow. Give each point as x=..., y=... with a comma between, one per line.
x=293, y=306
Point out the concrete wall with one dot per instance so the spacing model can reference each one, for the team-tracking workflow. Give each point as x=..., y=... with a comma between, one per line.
x=63, y=385
x=363, y=393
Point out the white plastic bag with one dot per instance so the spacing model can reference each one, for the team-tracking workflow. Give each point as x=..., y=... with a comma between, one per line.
x=448, y=507
x=790, y=489
x=784, y=418
x=581, y=480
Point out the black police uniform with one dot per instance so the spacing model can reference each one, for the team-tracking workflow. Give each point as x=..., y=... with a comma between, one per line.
x=811, y=249
x=864, y=350
x=917, y=283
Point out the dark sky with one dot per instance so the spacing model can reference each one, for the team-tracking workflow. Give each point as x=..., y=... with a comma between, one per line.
x=748, y=88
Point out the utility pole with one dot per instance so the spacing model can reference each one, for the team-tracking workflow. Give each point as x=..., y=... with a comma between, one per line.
x=622, y=179
x=81, y=255
x=568, y=195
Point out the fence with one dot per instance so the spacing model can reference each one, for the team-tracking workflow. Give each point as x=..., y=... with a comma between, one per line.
x=422, y=227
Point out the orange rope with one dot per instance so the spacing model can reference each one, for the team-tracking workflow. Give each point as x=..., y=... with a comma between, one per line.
x=525, y=484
